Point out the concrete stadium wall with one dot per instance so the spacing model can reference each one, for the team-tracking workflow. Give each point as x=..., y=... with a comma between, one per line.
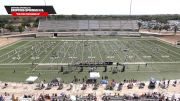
x=88, y=33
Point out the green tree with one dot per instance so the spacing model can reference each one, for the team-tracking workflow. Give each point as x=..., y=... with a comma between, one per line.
x=160, y=28
x=175, y=29
x=10, y=27
x=166, y=27
x=21, y=29
x=35, y=24
x=139, y=25
x=2, y=25
x=156, y=27
x=25, y=24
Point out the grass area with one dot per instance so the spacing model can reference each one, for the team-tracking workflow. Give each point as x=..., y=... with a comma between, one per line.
x=157, y=71
x=163, y=59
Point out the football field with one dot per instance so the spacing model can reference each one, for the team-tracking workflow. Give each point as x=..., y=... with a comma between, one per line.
x=47, y=55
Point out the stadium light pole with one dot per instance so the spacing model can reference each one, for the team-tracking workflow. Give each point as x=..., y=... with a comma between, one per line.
x=130, y=8
x=45, y=2
x=45, y=5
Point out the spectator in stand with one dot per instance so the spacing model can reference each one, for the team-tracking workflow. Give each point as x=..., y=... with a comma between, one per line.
x=1, y=98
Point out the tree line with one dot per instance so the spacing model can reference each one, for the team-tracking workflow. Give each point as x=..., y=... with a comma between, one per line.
x=7, y=21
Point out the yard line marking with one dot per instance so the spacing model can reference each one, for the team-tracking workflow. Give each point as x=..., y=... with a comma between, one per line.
x=3, y=47
x=115, y=52
x=105, y=47
x=75, y=50
x=61, y=48
x=45, y=56
x=41, y=47
x=146, y=50
x=117, y=45
x=134, y=48
x=123, y=46
x=160, y=53
x=161, y=49
x=21, y=55
x=168, y=49
x=176, y=62
x=15, y=63
x=91, y=51
x=163, y=41
x=49, y=52
x=106, y=52
x=66, y=53
x=16, y=48
x=12, y=51
x=99, y=51
x=82, y=53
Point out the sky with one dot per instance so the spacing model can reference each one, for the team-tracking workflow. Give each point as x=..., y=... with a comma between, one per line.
x=102, y=7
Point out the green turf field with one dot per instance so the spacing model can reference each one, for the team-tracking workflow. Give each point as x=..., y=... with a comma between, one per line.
x=46, y=55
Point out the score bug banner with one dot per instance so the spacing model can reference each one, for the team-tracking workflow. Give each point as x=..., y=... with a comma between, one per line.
x=30, y=10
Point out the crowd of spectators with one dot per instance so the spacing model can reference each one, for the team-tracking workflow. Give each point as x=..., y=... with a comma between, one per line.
x=143, y=97
x=155, y=96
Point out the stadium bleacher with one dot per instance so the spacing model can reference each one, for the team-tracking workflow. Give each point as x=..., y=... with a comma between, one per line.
x=87, y=25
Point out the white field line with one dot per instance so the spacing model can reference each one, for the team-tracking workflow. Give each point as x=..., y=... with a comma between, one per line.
x=21, y=55
x=139, y=52
x=168, y=49
x=161, y=53
x=49, y=52
x=145, y=49
x=10, y=52
x=31, y=52
x=177, y=62
x=115, y=53
x=49, y=71
x=163, y=41
x=156, y=69
x=105, y=51
x=52, y=71
x=75, y=50
x=27, y=71
x=62, y=48
x=16, y=48
x=91, y=50
x=99, y=52
x=82, y=55
x=10, y=44
x=143, y=71
x=164, y=62
x=129, y=51
x=15, y=63
x=123, y=45
x=66, y=53
x=10, y=66
x=136, y=38
x=87, y=50
x=162, y=50
x=134, y=48
x=32, y=73
x=76, y=40
x=105, y=48
x=28, y=56
x=53, y=64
